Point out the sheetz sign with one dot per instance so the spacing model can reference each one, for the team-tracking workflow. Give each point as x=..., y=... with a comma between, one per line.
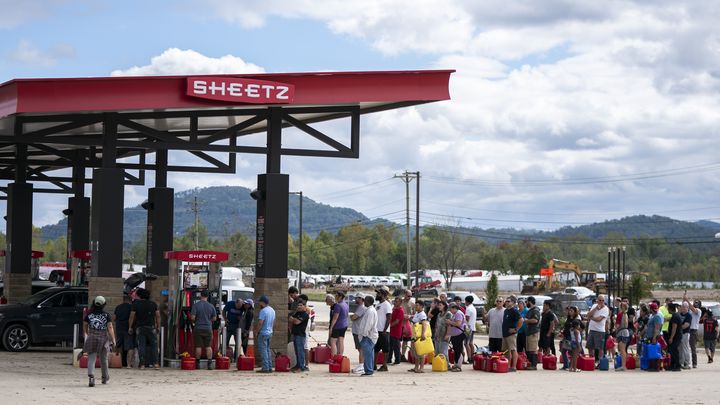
x=240, y=90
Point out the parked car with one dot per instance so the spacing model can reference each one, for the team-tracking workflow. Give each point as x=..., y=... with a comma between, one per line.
x=46, y=317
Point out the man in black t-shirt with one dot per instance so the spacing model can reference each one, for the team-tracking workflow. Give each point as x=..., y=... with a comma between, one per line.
x=674, y=337
x=548, y=324
x=125, y=341
x=512, y=321
x=299, y=321
x=145, y=323
x=710, y=335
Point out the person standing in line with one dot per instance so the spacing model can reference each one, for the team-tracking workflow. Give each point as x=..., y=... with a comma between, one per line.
x=355, y=328
x=642, y=321
x=396, y=325
x=299, y=321
x=521, y=337
x=441, y=338
x=597, y=319
x=456, y=325
x=575, y=343
x=685, y=356
x=532, y=332
x=433, y=312
x=246, y=321
x=695, y=313
x=368, y=336
x=264, y=332
x=125, y=341
x=304, y=298
x=330, y=302
x=339, y=323
x=548, y=324
x=622, y=334
x=420, y=318
x=384, y=312
x=512, y=321
x=471, y=319
x=203, y=314
x=145, y=322
x=494, y=320
x=665, y=312
x=99, y=339
x=408, y=305
x=674, y=337
x=710, y=335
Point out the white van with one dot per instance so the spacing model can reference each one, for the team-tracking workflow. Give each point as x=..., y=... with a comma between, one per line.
x=234, y=289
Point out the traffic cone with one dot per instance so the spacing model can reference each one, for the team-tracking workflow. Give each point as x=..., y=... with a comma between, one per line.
x=251, y=346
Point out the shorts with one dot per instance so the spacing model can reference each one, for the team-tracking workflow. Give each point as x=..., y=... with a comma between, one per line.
x=356, y=339
x=531, y=342
x=509, y=343
x=596, y=340
x=203, y=338
x=710, y=345
x=383, y=343
x=622, y=339
x=336, y=333
x=470, y=339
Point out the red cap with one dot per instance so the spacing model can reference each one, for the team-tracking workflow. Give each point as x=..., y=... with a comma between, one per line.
x=653, y=306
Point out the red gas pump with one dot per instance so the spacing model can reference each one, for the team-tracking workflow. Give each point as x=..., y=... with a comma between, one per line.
x=190, y=273
x=35, y=257
x=79, y=267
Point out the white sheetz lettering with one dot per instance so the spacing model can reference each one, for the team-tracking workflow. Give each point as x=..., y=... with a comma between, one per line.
x=249, y=91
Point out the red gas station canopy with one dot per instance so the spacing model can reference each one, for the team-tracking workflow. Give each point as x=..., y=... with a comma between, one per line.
x=381, y=90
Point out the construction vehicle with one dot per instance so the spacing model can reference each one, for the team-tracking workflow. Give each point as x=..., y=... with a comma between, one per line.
x=557, y=274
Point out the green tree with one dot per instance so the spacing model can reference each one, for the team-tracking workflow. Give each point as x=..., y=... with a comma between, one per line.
x=444, y=249
x=491, y=292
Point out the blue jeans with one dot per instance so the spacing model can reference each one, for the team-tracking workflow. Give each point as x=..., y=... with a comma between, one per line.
x=264, y=347
x=368, y=349
x=299, y=343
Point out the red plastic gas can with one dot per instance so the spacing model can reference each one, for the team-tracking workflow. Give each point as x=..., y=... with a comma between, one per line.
x=322, y=353
x=451, y=356
x=187, y=363
x=478, y=362
x=340, y=364
x=282, y=363
x=222, y=363
x=586, y=363
x=549, y=362
x=630, y=362
x=84, y=361
x=500, y=365
x=246, y=363
x=522, y=361
x=380, y=358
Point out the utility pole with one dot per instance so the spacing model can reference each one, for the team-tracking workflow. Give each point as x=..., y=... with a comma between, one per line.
x=407, y=177
x=195, y=208
x=300, y=242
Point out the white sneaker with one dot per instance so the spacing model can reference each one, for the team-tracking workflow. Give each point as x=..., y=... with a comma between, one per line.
x=359, y=369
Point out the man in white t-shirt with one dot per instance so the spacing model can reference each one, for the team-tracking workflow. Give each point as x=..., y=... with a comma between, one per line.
x=471, y=319
x=384, y=310
x=597, y=319
x=695, y=313
x=494, y=320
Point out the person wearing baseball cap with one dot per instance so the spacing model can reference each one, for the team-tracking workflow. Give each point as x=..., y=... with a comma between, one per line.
x=246, y=321
x=98, y=329
x=264, y=332
x=356, y=317
x=655, y=323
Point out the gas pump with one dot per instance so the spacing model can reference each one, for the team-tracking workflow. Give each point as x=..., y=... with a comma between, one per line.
x=190, y=273
x=35, y=257
x=79, y=267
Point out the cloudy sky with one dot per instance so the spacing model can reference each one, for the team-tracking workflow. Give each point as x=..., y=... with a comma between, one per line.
x=562, y=112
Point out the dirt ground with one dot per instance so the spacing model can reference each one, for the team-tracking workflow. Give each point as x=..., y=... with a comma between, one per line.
x=46, y=377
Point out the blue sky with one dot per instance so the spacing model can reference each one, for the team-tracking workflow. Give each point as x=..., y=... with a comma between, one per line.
x=544, y=98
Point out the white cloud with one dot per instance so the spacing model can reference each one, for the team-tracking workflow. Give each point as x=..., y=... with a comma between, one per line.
x=174, y=61
x=27, y=53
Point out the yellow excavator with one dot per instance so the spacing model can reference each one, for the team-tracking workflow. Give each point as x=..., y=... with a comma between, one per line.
x=560, y=273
